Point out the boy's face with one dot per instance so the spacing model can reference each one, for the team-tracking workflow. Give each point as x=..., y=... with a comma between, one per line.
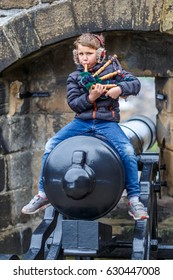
x=87, y=55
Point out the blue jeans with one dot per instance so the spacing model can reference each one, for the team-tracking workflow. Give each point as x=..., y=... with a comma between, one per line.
x=114, y=134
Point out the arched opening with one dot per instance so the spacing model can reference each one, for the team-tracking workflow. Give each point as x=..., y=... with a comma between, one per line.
x=33, y=119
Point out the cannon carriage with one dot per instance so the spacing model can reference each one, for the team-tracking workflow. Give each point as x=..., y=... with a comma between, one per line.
x=84, y=181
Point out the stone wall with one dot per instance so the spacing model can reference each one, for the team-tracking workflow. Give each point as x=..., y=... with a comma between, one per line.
x=36, y=43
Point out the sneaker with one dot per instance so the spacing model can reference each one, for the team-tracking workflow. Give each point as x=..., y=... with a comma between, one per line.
x=36, y=204
x=137, y=211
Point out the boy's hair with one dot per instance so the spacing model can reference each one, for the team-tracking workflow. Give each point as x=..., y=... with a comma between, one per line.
x=92, y=41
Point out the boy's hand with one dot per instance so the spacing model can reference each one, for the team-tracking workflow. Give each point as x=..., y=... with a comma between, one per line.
x=96, y=91
x=114, y=92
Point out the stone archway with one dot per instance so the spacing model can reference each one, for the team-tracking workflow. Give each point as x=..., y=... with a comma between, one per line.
x=28, y=30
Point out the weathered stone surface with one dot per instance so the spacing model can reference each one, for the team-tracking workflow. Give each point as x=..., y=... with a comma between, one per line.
x=18, y=128
x=5, y=217
x=13, y=4
x=19, y=167
x=7, y=53
x=22, y=35
x=140, y=53
x=167, y=17
x=133, y=15
x=16, y=240
x=10, y=207
x=3, y=98
x=166, y=160
x=89, y=16
x=165, y=130
x=2, y=173
x=39, y=128
x=54, y=23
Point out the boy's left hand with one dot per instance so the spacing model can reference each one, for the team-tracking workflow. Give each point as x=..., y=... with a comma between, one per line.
x=114, y=92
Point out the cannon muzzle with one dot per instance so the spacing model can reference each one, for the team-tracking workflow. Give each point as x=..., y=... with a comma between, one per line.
x=84, y=176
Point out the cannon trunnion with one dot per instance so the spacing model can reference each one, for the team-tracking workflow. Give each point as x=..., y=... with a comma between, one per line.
x=84, y=180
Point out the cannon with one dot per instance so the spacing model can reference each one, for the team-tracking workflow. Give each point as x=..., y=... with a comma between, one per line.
x=84, y=180
x=81, y=172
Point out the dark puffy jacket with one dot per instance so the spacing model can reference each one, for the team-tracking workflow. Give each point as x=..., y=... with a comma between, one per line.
x=103, y=108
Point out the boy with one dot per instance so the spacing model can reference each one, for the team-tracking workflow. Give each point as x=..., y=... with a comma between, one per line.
x=97, y=112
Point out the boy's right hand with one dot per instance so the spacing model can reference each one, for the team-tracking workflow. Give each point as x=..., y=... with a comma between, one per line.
x=96, y=91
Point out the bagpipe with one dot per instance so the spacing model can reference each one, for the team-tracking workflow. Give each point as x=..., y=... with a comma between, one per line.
x=88, y=80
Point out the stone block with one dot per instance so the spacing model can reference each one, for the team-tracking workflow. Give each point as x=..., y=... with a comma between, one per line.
x=19, y=129
x=7, y=53
x=167, y=17
x=90, y=16
x=2, y=174
x=11, y=204
x=53, y=104
x=165, y=130
x=19, y=170
x=39, y=127
x=54, y=22
x=5, y=210
x=15, y=103
x=133, y=15
x=15, y=240
x=22, y=35
x=3, y=98
x=13, y=4
x=166, y=174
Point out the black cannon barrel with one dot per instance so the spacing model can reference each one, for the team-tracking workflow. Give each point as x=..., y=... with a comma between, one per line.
x=141, y=132
x=84, y=176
